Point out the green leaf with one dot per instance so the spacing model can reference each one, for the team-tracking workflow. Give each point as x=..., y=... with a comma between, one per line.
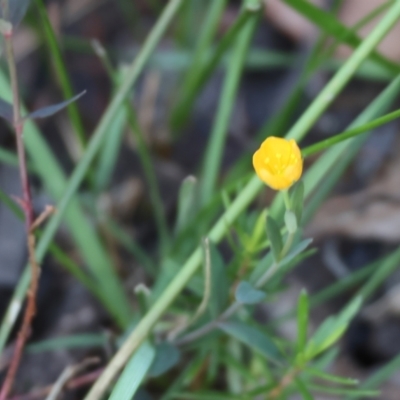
x=302, y=321
x=109, y=152
x=296, y=250
x=258, y=231
x=297, y=200
x=186, y=203
x=134, y=373
x=345, y=392
x=88, y=340
x=167, y=356
x=252, y=337
x=332, y=329
x=327, y=335
x=350, y=311
x=275, y=238
x=261, y=266
x=290, y=221
x=305, y=393
x=246, y=294
x=219, y=296
x=332, y=378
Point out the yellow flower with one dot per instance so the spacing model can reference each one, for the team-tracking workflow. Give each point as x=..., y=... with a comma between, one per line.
x=278, y=162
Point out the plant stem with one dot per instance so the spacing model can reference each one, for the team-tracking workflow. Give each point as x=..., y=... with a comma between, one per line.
x=286, y=199
x=27, y=207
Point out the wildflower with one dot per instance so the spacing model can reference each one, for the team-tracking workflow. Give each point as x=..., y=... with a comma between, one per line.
x=278, y=162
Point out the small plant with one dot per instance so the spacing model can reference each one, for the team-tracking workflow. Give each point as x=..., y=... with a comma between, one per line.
x=192, y=332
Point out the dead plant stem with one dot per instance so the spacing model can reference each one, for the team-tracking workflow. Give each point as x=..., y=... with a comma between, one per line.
x=26, y=204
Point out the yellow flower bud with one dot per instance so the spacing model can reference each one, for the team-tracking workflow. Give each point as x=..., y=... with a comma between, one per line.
x=278, y=162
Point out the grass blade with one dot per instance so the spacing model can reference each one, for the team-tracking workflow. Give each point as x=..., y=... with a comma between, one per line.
x=216, y=144
x=134, y=373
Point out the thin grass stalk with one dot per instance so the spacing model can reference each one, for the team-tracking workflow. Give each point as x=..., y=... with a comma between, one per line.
x=216, y=144
x=206, y=35
x=188, y=97
x=62, y=75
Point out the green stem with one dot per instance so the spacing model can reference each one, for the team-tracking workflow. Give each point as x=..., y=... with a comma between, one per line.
x=340, y=137
x=286, y=199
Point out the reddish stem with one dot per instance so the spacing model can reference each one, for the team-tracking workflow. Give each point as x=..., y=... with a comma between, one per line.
x=29, y=221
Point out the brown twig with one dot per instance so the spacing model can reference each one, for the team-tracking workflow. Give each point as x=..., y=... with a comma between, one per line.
x=75, y=383
x=26, y=203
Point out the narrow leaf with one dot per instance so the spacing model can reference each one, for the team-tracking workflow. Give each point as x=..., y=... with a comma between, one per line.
x=53, y=109
x=252, y=337
x=332, y=378
x=246, y=294
x=134, y=373
x=345, y=392
x=332, y=329
x=275, y=238
x=219, y=296
x=302, y=321
x=186, y=203
x=297, y=249
x=290, y=221
x=305, y=393
x=167, y=356
x=350, y=311
x=258, y=231
x=297, y=200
